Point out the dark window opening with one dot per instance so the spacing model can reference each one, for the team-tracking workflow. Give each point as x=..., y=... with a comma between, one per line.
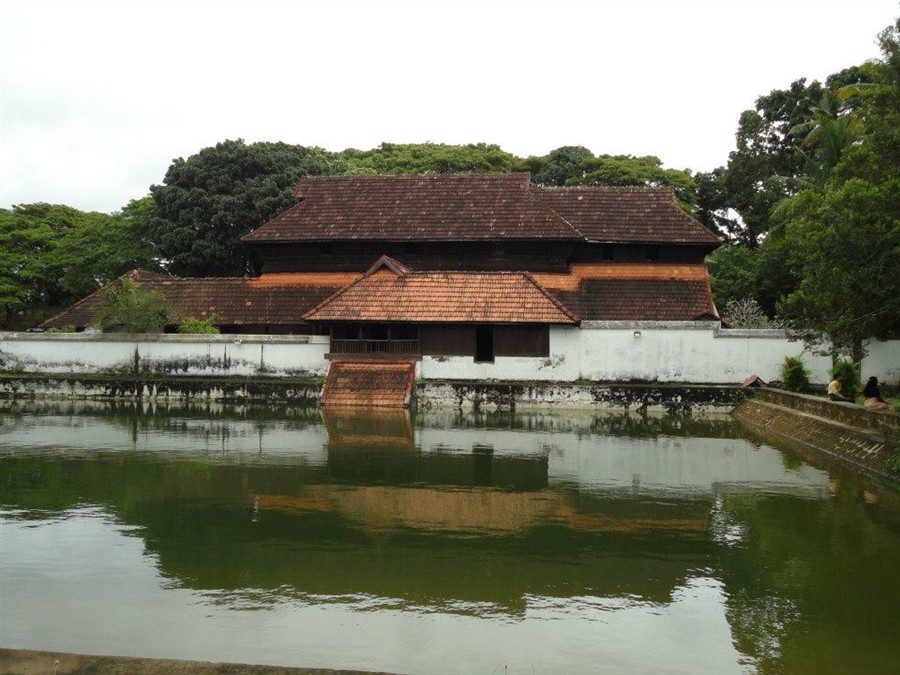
x=607, y=253
x=484, y=344
x=375, y=332
x=652, y=253
x=325, y=248
x=404, y=333
x=498, y=250
x=410, y=248
x=345, y=332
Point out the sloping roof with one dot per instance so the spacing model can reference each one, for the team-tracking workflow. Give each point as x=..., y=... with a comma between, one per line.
x=444, y=297
x=642, y=215
x=389, y=292
x=271, y=299
x=369, y=384
x=478, y=207
x=439, y=207
x=634, y=291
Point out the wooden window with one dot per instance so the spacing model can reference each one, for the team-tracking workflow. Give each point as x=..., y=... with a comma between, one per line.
x=484, y=344
x=447, y=340
x=522, y=340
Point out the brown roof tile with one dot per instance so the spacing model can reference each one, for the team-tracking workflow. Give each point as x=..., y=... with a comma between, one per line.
x=643, y=215
x=634, y=292
x=438, y=207
x=271, y=299
x=455, y=207
x=444, y=297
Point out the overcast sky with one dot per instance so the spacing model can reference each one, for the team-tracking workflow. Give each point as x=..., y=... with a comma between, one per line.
x=97, y=98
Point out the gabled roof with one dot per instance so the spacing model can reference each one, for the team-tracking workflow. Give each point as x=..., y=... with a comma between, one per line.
x=272, y=299
x=639, y=215
x=478, y=207
x=383, y=295
x=438, y=207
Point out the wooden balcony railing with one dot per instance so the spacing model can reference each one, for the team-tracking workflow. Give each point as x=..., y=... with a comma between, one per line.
x=374, y=346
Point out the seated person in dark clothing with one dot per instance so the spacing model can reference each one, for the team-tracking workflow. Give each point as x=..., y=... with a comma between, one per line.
x=873, y=396
x=834, y=390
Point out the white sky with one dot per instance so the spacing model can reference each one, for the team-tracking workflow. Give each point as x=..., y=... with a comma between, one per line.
x=97, y=98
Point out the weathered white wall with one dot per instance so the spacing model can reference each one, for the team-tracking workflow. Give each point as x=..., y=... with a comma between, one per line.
x=271, y=355
x=882, y=361
x=695, y=352
x=689, y=352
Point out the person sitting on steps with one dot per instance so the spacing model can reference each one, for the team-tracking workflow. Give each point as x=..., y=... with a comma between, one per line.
x=834, y=390
x=873, y=396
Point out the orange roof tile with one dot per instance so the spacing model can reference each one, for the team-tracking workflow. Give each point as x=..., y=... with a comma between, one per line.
x=444, y=297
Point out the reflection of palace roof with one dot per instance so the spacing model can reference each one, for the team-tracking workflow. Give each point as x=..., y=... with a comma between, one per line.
x=474, y=510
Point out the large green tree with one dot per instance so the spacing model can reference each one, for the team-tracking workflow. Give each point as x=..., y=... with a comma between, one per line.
x=52, y=255
x=208, y=201
x=767, y=164
x=627, y=170
x=845, y=237
x=559, y=166
x=413, y=158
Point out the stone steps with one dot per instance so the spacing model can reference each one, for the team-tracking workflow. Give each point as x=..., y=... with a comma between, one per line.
x=369, y=384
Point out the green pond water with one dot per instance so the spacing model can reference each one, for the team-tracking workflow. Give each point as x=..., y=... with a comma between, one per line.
x=439, y=543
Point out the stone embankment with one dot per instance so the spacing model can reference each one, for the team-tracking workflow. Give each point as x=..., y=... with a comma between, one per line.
x=27, y=662
x=863, y=438
x=485, y=396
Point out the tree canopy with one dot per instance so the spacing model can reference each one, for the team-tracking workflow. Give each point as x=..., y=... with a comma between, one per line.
x=398, y=158
x=52, y=255
x=844, y=236
x=210, y=200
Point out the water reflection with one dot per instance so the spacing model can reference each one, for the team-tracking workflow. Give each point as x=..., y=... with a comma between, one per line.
x=622, y=523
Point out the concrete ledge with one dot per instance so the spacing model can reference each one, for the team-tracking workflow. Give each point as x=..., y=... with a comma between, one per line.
x=29, y=662
x=303, y=392
x=676, y=399
x=887, y=423
x=862, y=438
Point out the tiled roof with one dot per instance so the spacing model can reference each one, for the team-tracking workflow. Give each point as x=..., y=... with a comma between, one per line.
x=634, y=292
x=369, y=384
x=439, y=207
x=643, y=215
x=478, y=207
x=391, y=293
x=444, y=297
x=270, y=299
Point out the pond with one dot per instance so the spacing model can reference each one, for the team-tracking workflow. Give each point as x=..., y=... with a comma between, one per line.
x=438, y=543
